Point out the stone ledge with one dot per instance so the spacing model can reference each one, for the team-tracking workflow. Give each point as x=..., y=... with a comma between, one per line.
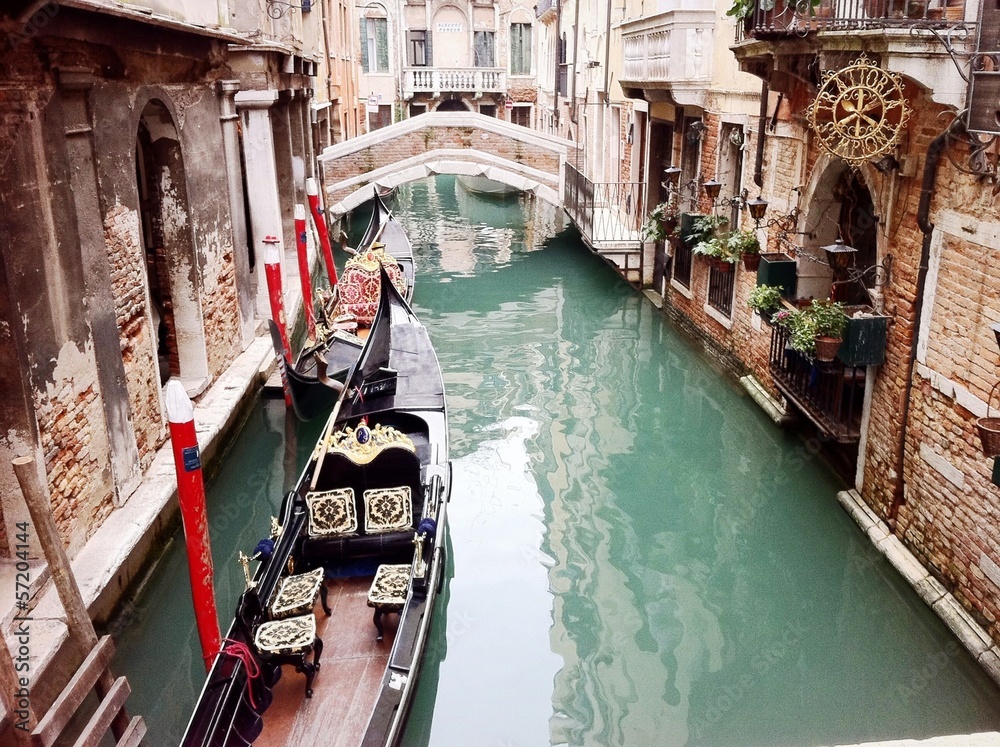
x=117, y=553
x=959, y=621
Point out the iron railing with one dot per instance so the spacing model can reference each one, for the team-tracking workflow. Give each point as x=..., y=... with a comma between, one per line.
x=800, y=17
x=682, y=261
x=831, y=394
x=609, y=216
x=720, y=289
x=457, y=80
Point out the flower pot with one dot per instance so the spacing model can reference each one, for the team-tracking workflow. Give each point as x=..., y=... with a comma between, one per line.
x=826, y=348
x=989, y=429
x=751, y=262
x=778, y=269
x=720, y=265
x=864, y=341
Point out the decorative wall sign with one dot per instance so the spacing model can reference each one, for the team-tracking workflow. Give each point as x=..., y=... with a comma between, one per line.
x=449, y=27
x=859, y=112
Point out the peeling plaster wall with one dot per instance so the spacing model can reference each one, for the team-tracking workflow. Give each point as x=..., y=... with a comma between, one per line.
x=53, y=405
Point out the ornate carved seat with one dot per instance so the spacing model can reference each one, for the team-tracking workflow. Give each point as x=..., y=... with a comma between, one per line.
x=290, y=640
x=297, y=595
x=388, y=592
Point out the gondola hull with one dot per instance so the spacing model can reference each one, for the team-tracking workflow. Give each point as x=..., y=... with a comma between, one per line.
x=310, y=395
x=386, y=440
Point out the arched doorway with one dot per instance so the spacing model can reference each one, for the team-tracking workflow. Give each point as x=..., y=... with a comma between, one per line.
x=842, y=208
x=171, y=268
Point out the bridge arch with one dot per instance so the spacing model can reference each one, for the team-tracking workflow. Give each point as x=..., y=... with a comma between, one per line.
x=443, y=143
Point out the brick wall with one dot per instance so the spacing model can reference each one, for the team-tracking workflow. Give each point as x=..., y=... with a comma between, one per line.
x=122, y=235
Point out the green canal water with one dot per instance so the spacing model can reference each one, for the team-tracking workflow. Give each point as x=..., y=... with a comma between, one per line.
x=638, y=556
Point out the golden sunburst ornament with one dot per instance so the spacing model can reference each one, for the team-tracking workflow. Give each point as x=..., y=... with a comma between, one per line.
x=859, y=112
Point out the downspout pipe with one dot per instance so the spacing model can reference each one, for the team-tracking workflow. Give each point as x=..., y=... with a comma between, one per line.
x=607, y=56
x=758, y=169
x=934, y=153
x=576, y=41
x=557, y=55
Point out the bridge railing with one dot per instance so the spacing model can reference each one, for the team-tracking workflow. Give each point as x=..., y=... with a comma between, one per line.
x=457, y=80
x=605, y=212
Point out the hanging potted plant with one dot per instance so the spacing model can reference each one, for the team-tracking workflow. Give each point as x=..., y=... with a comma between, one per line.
x=698, y=228
x=828, y=320
x=989, y=429
x=765, y=300
x=716, y=250
x=746, y=245
x=660, y=223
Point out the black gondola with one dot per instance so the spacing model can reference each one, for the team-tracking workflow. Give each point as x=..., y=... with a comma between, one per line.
x=370, y=509
x=315, y=379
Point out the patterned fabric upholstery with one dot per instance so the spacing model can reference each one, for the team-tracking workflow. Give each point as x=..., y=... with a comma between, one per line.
x=332, y=512
x=388, y=510
x=297, y=594
x=359, y=284
x=291, y=635
x=389, y=587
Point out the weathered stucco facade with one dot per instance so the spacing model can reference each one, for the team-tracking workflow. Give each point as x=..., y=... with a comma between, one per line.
x=126, y=229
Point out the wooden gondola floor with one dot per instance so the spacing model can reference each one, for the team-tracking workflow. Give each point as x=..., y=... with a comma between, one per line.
x=347, y=683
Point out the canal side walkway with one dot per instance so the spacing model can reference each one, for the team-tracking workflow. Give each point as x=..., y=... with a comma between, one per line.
x=118, y=553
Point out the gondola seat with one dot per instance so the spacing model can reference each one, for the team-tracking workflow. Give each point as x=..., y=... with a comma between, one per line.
x=388, y=593
x=289, y=640
x=297, y=595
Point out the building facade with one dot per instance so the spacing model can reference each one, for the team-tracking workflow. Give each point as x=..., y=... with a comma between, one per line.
x=854, y=124
x=146, y=154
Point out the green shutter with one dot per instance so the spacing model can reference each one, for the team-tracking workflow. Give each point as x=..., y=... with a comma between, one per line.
x=382, y=45
x=364, y=45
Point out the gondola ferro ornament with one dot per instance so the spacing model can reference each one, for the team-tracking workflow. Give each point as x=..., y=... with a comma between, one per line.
x=859, y=112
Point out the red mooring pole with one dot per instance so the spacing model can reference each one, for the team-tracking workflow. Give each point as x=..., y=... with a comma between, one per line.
x=272, y=271
x=312, y=192
x=191, y=495
x=303, y=251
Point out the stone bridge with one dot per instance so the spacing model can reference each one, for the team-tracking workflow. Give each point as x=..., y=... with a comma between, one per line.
x=443, y=143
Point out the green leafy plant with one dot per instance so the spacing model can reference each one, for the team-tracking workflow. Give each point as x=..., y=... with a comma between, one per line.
x=828, y=317
x=655, y=226
x=703, y=228
x=801, y=332
x=743, y=242
x=765, y=299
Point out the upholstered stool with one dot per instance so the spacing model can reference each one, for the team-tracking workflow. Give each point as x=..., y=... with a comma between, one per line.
x=289, y=641
x=297, y=595
x=388, y=592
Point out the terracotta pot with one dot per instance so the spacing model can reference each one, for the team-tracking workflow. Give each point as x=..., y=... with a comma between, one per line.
x=826, y=348
x=751, y=262
x=721, y=265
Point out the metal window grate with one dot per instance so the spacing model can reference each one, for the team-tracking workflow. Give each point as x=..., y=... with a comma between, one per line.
x=720, y=289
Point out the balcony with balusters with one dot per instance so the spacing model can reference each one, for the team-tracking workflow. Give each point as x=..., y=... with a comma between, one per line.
x=670, y=51
x=437, y=81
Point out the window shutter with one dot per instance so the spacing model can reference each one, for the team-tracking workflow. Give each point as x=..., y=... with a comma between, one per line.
x=364, y=46
x=382, y=45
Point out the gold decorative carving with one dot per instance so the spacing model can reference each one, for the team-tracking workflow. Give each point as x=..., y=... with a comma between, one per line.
x=859, y=112
x=362, y=444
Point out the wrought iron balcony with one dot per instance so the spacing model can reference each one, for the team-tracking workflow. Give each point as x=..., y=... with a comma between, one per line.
x=437, y=80
x=670, y=51
x=805, y=16
x=831, y=395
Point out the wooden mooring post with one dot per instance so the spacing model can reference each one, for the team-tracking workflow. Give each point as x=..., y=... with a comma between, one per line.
x=94, y=673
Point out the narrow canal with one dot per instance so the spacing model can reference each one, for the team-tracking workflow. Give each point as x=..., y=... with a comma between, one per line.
x=638, y=555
